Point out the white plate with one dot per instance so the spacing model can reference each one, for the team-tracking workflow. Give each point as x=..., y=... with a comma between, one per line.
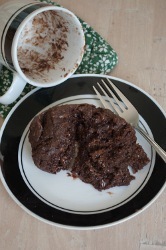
x=72, y=194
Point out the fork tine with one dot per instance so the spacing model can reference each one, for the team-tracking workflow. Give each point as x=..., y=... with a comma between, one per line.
x=105, y=104
x=119, y=93
x=110, y=100
x=114, y=96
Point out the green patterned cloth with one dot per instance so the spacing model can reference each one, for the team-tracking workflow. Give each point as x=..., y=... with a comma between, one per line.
x=99, y=58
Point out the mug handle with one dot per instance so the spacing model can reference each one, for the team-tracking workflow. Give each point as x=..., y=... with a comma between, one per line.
x=14, y=90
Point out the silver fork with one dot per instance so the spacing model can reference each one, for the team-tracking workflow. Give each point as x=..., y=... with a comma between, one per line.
x=126, y=110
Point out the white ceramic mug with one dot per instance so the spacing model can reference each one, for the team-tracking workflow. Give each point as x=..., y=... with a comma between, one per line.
x=15, y=17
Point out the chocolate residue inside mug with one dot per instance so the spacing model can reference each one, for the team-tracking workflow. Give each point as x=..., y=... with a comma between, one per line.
x=42, y=43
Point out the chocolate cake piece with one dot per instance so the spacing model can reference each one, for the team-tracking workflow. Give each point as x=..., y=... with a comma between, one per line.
x=92, y=143
x=52, y=137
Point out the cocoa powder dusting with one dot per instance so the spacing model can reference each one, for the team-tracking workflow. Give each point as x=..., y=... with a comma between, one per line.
x=42, y=43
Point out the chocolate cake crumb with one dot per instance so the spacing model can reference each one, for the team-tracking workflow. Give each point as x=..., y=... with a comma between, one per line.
x=92, y=143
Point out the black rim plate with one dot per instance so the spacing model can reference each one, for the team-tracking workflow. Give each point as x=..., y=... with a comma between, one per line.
x=37, y=100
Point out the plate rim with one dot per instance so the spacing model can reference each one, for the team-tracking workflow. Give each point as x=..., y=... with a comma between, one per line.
x=71, y=226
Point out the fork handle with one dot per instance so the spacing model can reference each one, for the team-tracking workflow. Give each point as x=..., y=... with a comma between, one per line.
x=158, y=149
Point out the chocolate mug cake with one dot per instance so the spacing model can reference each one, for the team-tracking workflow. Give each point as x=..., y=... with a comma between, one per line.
x=92, y=143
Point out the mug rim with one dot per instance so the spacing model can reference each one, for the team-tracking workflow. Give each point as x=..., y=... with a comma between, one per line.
x=16, y=39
